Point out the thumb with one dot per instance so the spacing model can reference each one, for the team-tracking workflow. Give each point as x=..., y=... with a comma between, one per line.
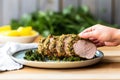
x=85, y=35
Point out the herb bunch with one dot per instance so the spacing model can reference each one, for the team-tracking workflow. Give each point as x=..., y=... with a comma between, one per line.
x=68, y=21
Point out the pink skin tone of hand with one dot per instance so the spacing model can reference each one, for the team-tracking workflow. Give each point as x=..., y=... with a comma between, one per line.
x=102, y=35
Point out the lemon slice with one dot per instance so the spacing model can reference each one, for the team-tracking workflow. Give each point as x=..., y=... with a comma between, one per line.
x=5, y=28
x=10, y=33
x=24, y=31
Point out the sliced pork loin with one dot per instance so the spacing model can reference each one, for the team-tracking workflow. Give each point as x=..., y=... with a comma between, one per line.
x=40, y=45
x=67, y=45
x=84, y=49
x=52, y=45
x=60, y=45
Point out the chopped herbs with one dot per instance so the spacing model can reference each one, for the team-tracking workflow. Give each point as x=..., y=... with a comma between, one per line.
x=33, y=55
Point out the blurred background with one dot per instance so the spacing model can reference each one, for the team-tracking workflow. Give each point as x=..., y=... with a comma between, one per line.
x=49, y=16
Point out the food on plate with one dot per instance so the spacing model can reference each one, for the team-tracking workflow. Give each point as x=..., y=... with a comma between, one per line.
x=21, y=31
x=66, y=45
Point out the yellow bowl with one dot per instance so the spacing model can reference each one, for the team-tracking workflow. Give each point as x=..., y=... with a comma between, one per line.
x=21, y=39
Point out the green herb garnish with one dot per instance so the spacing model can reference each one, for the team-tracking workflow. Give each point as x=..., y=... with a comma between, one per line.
x=33, y=55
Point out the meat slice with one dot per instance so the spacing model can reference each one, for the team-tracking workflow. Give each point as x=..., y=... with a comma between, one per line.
x=52, y=45
x=60, y=45
x=68, y=42
x=40, y=45
x=84, y=49
x=45, y=45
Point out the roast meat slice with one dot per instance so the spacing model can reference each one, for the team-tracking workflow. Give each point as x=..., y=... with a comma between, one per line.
x=40, y=45
x=84, y=49
x=60, y=45
x=45, y=45
x=68, y=44
x=52, y=45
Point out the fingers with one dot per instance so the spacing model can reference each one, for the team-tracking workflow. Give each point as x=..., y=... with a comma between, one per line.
x=97, y=42
x=86, y=35
x=100, y=44
x=87, y=30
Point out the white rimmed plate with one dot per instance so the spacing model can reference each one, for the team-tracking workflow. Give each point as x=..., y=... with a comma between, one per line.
x=19, y=57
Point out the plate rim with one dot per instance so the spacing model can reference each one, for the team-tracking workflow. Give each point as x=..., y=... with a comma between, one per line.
x=28, y=63
x=56, y=61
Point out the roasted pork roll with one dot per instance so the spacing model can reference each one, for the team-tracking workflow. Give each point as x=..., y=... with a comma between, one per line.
x=66, y=45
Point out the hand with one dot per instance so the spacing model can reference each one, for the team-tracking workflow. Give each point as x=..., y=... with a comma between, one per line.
x=102, y=35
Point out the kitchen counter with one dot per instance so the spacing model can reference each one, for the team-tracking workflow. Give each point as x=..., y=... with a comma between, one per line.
x=108, y=68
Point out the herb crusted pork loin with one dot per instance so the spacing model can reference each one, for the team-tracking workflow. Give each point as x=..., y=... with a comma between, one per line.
x=66, y=45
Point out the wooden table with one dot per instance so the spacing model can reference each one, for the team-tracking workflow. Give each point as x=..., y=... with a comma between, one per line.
x=108, y=68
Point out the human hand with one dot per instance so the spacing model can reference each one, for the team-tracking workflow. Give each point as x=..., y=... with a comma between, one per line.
x=102, y=35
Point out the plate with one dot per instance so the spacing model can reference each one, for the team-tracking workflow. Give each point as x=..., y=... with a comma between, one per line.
x=19, y=57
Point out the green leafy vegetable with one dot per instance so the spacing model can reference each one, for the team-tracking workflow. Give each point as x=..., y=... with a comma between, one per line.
x=33, y=55
x=69, y=20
